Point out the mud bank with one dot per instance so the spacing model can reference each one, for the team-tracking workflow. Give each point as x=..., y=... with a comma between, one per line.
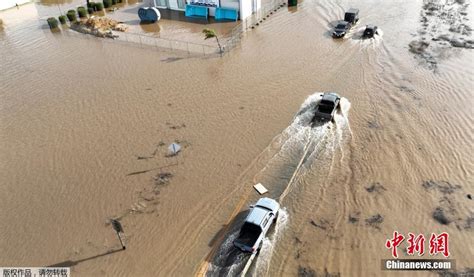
x=99, y=27
x=444, y=24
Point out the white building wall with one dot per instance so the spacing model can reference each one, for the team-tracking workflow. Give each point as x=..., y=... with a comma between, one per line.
x=6, y=4
x=247, y=7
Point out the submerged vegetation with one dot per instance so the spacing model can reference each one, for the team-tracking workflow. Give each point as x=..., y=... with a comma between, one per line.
x=71, y=15
x=94, y=7
x=82, y=12
x=107, y=3
x=210, y=33
x=62, y=19
x=98, y=7
x=52, y=22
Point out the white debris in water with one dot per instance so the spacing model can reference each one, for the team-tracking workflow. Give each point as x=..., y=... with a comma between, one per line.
x=290, y=146
x=260, y=188
x=174, y=149
x=322, y=141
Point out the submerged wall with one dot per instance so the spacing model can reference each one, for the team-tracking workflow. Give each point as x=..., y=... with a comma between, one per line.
x=248, y=7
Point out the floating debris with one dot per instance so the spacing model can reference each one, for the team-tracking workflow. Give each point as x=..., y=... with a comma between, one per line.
x=440, y=216
x=306, y=272
x=260, y=188
x=321, y=225
x=138, y=172
x=442, y=186
x=173, y=149
x=354, y=218
x=162, y=178
x=99, y=27
x=309, y=272
x=418, y=46
x=375, y=187
x=174, y=127
x=374, y=221
x=148, y=157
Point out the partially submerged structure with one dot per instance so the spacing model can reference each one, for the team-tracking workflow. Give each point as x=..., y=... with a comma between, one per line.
x=149, y=14
x=219, y=9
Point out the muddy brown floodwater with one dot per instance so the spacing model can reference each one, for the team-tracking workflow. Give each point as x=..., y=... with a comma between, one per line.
x=85, y=126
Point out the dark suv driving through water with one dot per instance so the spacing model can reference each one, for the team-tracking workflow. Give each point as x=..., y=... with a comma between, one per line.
x=341, y=29
x=352, y=15
x=370, y=31
x=326, y=108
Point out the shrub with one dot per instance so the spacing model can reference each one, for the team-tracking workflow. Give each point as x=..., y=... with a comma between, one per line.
x=82, y=12
x=114, y=2
x=107, y=3
x=71, y=15
x=62, y=19
x=98, y=7
x=52, y=22
x=90, y=5
x=90, y=10
x=119, y=1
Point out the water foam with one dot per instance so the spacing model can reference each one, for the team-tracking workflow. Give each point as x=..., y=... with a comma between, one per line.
x=264, y=257
x=301, y=132
x=298, y=137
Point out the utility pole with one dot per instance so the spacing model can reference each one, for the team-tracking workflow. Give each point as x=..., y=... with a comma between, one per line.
x=119, y=230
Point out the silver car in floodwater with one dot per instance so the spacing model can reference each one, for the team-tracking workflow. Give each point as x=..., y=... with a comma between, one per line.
x=262, y=215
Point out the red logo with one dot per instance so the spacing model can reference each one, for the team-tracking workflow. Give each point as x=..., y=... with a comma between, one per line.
x=394, y=243
x=416, y=244
x=439, y=243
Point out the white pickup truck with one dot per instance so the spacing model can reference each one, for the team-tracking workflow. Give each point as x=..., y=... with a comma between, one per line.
x=263, y=214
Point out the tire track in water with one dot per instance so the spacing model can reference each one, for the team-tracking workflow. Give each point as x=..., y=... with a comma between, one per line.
x=266, y=254
x=284, y=141
x=303, y=204
x=227, y=242
x=305, y=166
x=306, y=204
x=204, y=265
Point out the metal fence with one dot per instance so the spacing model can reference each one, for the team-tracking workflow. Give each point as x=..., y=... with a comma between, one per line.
x=168, y=44
x=155, y=43
x=265, y=11
x=233, y=38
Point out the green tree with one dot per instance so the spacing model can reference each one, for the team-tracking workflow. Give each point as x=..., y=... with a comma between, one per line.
x=210, y=33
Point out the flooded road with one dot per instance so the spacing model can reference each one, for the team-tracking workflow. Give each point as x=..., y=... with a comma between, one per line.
x=84, y=127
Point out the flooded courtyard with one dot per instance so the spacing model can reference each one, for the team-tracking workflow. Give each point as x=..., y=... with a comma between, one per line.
x=85, y=125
